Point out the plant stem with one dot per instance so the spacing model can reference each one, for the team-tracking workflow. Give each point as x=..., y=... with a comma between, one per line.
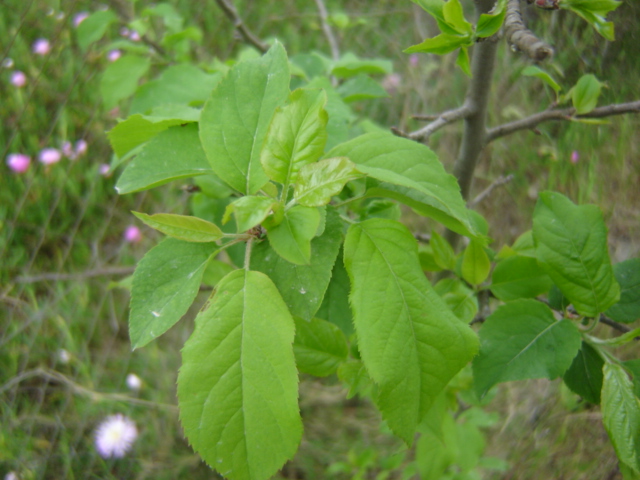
x=247, y=254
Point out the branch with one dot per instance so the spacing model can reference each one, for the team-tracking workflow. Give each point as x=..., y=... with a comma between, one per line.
x=326, y=29
x=445, y=118
x=559, y=114
x=230, y=11
x=487, y=191
x=521, y=38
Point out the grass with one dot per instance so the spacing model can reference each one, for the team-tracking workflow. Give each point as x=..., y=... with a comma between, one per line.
x=62, y=225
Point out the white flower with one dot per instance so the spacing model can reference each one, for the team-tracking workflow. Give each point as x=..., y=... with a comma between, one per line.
x=115, y=436
x=11, y=476
x=133, y=382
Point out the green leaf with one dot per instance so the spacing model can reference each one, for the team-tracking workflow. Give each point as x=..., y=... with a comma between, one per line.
x=633, y=366
x=535, y=71
x=296, y=137
x=585, y=94
x=320, y=347
x=443, y=253
x=627, y=337
x=594, y=12
x=350, y=66
x=475, y=263
x=120, y=78
x=94, y=27
x=435, y=8
x=318, y=182
x=584, y=376
x=182, y=227
x=234, y=121
x=519, y=277
x=249, y=211
x=461, y=300
x=238, y=384
x=454, y=16
x=362, y=87
x=291, y=238
x=137, y=129
x=490, y=23
x=621, y=415
x=216, y=271
x=165, y=283
x=340, y=114
x=178, y=84
x=410, y=173
x=404, y=328
x=335, y=304
x=441, y=44
x=571, y=246
x=303, y=286
x=355, y=375
x=627, y=274
x=524, y=245
x=523, y=340
x=172, y=154
x=462, y=61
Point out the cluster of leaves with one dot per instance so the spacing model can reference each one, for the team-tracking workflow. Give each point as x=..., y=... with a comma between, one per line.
x=324, y=279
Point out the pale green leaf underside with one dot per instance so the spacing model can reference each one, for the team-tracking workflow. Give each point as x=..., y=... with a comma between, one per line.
x=475, y=264
x=238, y=384
x=249, y=211
x=235, y=119
x=165, y=283
x=571, y=246
x=523, y=340
x=182, y=227
x=172, y=154
x=318, y=182
x=411, y=173
x=410, y=342
x=621, y=415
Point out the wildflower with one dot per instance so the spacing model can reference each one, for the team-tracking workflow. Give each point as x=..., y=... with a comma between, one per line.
x=64, y=357
x=41, y=46
x=18, y=162
x=67, y=150
x=81, y=147
x=7, y=62
x=133, y=382
x=132, y=234
x=18, y=79
x=104, y=169
x=49, y=156
x=575, y=157
x=391, y=82
x=11, y=476
x=115, y=436
x=134, y=36
x=79, y=18
x=413, y=59
x=124, y=32
x=114, y=55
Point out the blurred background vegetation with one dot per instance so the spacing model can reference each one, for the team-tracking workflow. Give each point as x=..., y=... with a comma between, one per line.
x=64, y=348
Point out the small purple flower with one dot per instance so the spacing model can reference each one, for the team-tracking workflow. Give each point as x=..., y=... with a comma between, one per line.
x=124, y=32
x=18, y=162
x=413, y=59
x=133, y=382
x=104, y=169
x=134, y=36
x=79, y=18
x=391, y=82
x=67, y=150
x=575, y=157
x=18, y=79
x=132, y=234
x=115, y=436
x=49, y=156
x=114, y=55
x=81, y=147
x=41, y=46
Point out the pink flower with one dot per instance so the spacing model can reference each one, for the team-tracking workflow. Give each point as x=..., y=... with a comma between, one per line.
x=104, y=169
x=67, y=150
x=41, y=46
x=81, y=147
x=134, y=36
x=114, y=55
x=575, y=157
x=391, y=82
x=115, y=436
x=18, y=162
x=49, y=156
x=132, y=234
x=413, y=59
x=79, y=18
x=124, y=31
x=18, y=79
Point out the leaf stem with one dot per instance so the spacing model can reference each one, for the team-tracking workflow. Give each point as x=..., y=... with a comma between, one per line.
x=247, y=254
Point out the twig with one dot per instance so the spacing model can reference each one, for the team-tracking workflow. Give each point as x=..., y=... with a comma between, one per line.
x=445, y=118
x=522, y=39
x=230, y=11
x=52, y=375
x=487, y=191
x=326, y=29
x=55, y=276
x=559, y=114
x=428, y=118
x=615, y=325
